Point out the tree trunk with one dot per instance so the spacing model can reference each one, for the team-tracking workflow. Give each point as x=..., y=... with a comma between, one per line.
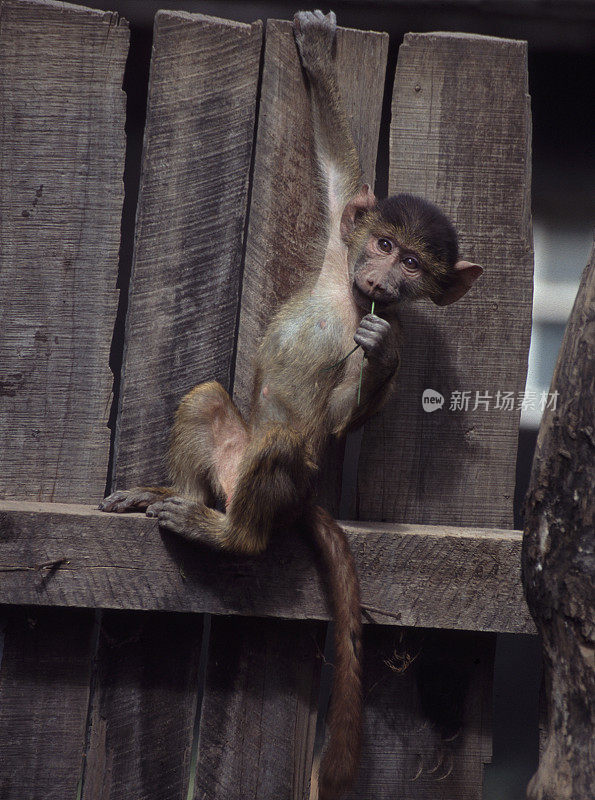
x=558, y=560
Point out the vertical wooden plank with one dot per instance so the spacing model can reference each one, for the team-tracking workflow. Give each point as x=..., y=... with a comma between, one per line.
x=236, y=760
x=61, y=193
x=179, y=331
x=184, y=288
x=429, y=694
x=44, y=692
x=285, y=213
x=61, y=164
x=143, y=709
x=259, y=709
x=460, y=136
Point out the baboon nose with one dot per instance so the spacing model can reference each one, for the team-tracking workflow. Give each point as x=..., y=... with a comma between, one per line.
x=374, y=285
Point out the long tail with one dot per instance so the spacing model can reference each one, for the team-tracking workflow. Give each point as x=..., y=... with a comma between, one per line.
x=341, y=757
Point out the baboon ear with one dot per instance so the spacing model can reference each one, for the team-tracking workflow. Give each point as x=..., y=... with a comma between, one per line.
x=462, y=279
x=363, y=201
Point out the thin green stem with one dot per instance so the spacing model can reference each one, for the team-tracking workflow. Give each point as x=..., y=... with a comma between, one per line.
x=361, y=371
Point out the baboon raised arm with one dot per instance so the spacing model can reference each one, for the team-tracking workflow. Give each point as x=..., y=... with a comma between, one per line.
x=377, y=256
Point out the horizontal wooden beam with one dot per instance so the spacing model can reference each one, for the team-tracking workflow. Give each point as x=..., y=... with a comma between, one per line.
x=415, y=575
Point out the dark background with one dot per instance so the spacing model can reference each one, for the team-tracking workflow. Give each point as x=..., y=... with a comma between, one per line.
x=561, y=37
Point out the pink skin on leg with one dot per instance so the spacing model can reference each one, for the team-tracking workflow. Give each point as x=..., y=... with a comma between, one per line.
x=230, y=440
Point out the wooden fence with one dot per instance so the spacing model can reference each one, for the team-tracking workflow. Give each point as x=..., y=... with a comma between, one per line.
x=113, y=682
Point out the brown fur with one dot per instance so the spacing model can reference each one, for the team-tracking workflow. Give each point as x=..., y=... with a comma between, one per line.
x=340, y=760
x=304, y=391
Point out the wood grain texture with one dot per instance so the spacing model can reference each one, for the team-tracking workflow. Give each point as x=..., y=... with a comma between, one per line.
x=190, y=225
x=43, y=701
x=141, y=723
x=559, y=559
x=460, y=136
x=259, y=709
x=285, y=218
x=432, y=576
x=427, y=709
x=179, y=331
x=62, y=143
x=285, y=210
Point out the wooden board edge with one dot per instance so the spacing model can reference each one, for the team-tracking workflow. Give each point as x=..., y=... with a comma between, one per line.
x=409, y=575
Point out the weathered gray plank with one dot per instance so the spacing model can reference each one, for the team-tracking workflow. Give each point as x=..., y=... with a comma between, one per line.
x=179, y=331
x=460, y=136
x=259, y=710
x=285, y=215
x=141, y=722
x=190, y=225
x=62, y=159
x=427, y=712
x=43, y=702
x=431, y=575
x=61, y=193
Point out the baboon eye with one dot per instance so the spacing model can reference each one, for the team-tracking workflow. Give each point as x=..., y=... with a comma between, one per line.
x=385, y=245
x=411, y=262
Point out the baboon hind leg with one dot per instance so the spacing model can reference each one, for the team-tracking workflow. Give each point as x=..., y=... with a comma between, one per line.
x=208, y=440
x=271, y=485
